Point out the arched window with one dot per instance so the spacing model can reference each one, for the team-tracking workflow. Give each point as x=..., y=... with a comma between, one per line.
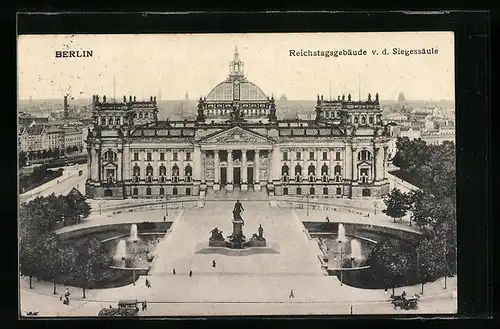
x=370, y=120
x=337, y=171
x=140, y=115
x=364, y=155
x=311, y=170
x=175, y=170
x=103, y=121
x=324, y=170
x=363, y=120
x=298, y=170
x=117, y=121
x=163, y=170
x=149, y=170
x=110, y=156
x=284, y=170
x=356, y=120
x=162, y=173
x=136, y=173
x=110, y=121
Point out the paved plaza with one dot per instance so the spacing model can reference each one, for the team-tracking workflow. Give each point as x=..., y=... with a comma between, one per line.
x=257, y=284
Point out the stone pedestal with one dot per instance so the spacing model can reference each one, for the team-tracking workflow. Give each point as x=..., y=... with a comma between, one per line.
x=256, y=186
x=244, y=187
x=237, y=227
x=229, y=187
x=216, y=187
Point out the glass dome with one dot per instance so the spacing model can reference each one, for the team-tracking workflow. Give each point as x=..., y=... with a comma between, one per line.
x=225, y=91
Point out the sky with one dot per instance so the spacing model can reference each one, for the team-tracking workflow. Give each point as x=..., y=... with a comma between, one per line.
x=172, y=64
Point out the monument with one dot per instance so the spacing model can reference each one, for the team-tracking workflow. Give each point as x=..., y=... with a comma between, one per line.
x=237, y=239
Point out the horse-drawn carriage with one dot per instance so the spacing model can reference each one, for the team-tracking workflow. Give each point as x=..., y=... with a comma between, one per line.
x=405, y=303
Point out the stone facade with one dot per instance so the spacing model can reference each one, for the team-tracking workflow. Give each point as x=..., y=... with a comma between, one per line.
x=237, y=142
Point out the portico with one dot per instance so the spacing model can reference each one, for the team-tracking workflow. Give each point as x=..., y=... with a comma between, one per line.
x=236, y=158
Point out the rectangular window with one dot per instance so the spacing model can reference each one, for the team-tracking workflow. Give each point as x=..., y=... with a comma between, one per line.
x=337, y=156
x=311, y=155
x=162, y=191
x=162, y=156
x=285, y=156
x=135, y=191
x=299, y=156
x=188, y=156
x=188, y=191
x=325, y=156
x=325, y=190
x=366, y=192
x=175, y=156
x=174, y=191
x=148, y=191
x=311, y=191
x=108, y=192
x=148, y=157
x=339, y=191
x=136, y=156
x=299, y=191
x=285, y=191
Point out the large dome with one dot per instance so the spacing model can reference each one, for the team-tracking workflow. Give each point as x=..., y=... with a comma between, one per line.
x=225, y=91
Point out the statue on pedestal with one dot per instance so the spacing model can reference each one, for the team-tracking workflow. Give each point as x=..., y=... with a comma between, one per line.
x=238, y=209
x=216, y=235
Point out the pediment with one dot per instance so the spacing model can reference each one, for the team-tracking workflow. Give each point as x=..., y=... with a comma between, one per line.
x=236, y=135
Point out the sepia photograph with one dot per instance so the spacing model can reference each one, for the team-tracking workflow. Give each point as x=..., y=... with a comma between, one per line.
x=251, y=174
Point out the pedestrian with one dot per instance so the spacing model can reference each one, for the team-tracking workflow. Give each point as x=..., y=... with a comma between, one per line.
x=145, y=306
x=173, y=271
x=67, y=293
x=213, y=263
x=164, y=218
x=327, y=219
x=147, y=283
x=190, y=273
x=292, y=295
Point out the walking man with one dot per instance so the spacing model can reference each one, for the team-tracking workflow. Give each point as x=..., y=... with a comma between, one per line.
x=327, y=219
x=173, y=271
x=190, y=273
x=292, y=295
x=213, y=263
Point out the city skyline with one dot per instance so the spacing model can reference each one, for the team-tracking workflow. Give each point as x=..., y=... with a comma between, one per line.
x=199, y=62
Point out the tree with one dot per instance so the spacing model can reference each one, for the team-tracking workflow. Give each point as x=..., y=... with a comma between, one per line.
x=422, y=207
x=29, y=256
x=430, y=260
x=391, y=260
x=50, y=258
x=68, y=149
x=397, y=203
x=78, y=204
x=91, y=257
x=22, y=159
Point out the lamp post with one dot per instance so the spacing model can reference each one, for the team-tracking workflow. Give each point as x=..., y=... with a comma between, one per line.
x=341, y=261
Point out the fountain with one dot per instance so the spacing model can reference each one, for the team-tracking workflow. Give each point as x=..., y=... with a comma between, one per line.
x=356, y=250
x=133, y=233
x=341, y=234
x=121, y=251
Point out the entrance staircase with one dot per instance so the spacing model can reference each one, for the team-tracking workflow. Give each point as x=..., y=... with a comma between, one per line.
x=237, y=194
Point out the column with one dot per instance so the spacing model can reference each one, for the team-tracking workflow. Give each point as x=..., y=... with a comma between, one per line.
x=244, y=177
x=197, y=163
x=89, y=164
x=168, y=165
x=120, y=166
x=181, y=156
x=348, y=162
x=354, y=174
x=229, y=174
x=380, y=164
x=318, y=164
x=386, y=159
x=99, y=174
x=275, y=164
x=376, y=152
x=256, y=165
x=94, y=165
x=202, y=165
x=216, y=167
x=332, y=163
x=126, y=163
